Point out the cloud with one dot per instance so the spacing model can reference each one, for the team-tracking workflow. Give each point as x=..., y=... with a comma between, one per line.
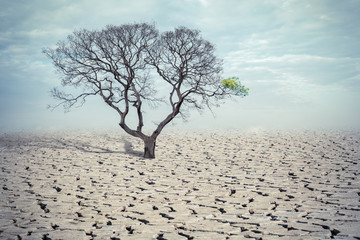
x=203, y=3
x=305, y=47
x=291, y=53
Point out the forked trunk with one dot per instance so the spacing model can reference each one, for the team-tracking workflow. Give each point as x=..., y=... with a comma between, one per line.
x=149, y=149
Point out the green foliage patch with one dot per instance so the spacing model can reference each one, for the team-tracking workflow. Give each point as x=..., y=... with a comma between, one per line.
x=235, y=86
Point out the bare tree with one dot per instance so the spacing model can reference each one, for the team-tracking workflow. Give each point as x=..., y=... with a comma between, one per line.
x=115, y=63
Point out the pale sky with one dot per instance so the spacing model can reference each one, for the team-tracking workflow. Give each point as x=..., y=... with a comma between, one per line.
x=300, y=59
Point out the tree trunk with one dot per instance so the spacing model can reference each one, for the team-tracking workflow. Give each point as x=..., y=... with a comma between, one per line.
x=149, y=150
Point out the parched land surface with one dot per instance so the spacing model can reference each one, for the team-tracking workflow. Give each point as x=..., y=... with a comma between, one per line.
x=269, y=185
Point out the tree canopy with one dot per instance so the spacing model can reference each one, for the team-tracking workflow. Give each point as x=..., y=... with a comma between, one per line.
x=118, y=64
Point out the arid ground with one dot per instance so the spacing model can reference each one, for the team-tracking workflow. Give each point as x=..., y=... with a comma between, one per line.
x=201, y=185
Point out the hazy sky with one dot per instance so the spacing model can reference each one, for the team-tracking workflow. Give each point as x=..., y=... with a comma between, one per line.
x=300, y=59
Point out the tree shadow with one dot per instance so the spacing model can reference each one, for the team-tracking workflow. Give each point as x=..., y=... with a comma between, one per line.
x=129, y=149
x=59, y=142
x=88, y=148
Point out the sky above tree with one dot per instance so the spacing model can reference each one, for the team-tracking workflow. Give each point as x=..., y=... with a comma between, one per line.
x=300, y=59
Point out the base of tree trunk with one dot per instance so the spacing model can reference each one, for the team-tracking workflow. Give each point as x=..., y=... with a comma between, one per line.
x=149, y=149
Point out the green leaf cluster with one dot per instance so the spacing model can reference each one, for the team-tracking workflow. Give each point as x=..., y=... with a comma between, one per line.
x=235, y=86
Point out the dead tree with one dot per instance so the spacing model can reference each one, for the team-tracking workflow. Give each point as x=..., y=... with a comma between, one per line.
x=115, y=63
